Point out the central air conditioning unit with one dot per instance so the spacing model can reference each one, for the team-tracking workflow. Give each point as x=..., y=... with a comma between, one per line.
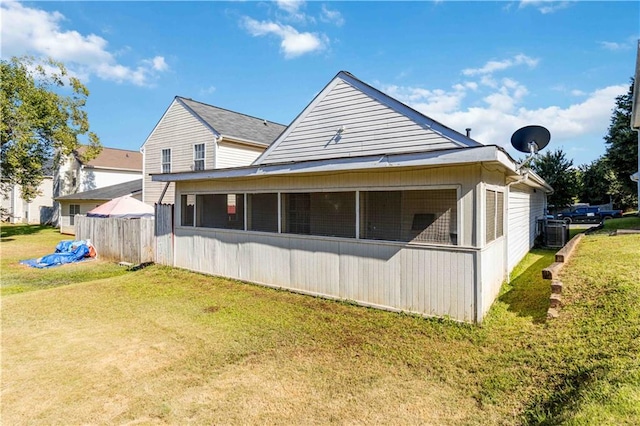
x=556, y=233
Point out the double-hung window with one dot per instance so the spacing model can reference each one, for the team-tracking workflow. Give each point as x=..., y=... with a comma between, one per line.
x=198, y=156
x=74, y=209
x=166, y=160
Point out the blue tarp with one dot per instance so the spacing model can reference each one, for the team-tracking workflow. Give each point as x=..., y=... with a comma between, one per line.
x=67, y=251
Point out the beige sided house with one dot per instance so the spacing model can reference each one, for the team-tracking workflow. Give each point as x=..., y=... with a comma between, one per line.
x=82, y=202
x=193, y=136
x=364, y=199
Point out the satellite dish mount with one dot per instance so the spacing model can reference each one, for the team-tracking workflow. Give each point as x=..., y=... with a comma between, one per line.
x=530, y=140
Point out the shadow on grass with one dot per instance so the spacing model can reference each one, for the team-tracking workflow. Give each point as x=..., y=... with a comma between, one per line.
x=528, y=294
x=12, y=230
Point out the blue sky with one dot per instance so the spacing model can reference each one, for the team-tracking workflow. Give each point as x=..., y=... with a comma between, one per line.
x=491, y=66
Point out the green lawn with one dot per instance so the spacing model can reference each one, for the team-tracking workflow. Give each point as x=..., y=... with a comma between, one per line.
x=93, y=343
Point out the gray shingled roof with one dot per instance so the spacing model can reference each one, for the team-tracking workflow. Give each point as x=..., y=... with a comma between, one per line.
x=235, y=124
x=107, y=192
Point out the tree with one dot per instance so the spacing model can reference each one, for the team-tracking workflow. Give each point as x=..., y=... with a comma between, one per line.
x=622, y=147
x=599, y=184
x=554, y=168
x=38, y=120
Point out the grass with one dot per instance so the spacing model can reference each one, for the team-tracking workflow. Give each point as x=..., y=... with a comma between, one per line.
x=168, y=346
x=20, y=242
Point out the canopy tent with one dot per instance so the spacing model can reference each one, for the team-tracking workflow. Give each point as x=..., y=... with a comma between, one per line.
x=123, y=207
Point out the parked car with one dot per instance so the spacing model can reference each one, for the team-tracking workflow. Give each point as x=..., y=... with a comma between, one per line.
x=588, y=215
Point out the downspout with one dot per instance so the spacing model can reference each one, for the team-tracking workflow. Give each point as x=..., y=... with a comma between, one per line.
x=216, y=141
x=506, y=228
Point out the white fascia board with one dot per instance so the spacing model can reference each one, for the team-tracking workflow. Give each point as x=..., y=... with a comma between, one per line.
x=450, y=157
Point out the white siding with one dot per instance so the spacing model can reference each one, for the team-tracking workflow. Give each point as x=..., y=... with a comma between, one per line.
x=236, y=155
x=99, y=178
x=370, y=128
x=32, y=212
x=178, y=130
x=425, y=280
x=525, y=207
x=492, y=274
x=65, y=219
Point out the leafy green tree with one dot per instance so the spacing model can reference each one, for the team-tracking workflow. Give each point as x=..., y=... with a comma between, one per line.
x=598, y=183
x=554, y=168
x=622, y=148
x=38, y=119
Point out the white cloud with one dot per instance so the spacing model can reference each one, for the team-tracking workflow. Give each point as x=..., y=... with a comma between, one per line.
x=159, y=64
x=493, y=66
x=292, y=42
x=617, y=46
x=293, y=11
x=27, y=30
x=207, y=91
x=332, y=16
x=501, y=111
x=546, y=6
x=290, y=6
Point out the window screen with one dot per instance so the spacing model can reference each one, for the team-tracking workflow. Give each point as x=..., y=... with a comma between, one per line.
x=198, y=157
x=263, y=212
x=166, y=161
x=187, y=207
x=415, y=215
x=320, y=213
x=74, y=209
x=224, y=211
x=494, y=215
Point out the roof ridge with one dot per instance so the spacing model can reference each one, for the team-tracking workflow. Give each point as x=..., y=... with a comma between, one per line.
x=229, y=110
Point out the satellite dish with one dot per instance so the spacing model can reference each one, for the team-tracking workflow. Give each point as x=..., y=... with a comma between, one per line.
x=530, y=139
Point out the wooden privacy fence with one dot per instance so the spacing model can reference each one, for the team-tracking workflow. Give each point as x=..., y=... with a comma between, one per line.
x=164, y=234
x=120, y=240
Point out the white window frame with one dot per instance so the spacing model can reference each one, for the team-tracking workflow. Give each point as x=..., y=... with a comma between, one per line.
x=73, y=215
x=163, y=163
x=196, y=159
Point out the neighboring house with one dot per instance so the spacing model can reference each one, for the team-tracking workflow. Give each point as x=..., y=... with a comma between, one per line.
x=82, y=202
x=38, y=211
x=635, y=117
x=193, y=136
x=112, y=166
x=364, y=199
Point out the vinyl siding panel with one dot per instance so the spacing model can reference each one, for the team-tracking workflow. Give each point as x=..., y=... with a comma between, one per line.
x=492, y=274
x=388, y=276
x=99, y=178
x=178, y=130
x=525, y=208
x=236, y=155
x=371, y=128
x=65, y=219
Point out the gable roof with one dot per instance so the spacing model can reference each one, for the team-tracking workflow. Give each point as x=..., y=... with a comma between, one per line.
x=350, y=118
x=234, y=125
x=113, y=158
x=106, y=193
